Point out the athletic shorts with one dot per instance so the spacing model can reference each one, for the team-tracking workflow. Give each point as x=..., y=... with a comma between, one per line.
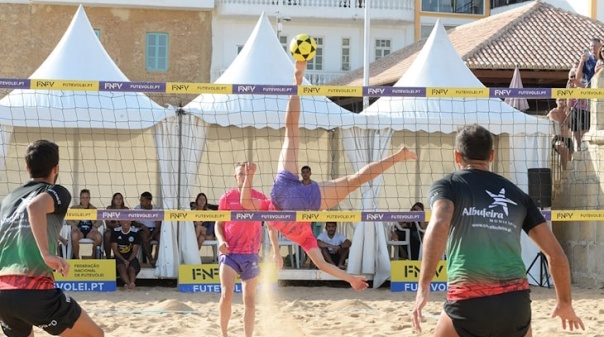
x=298, y=232
x=503, y=315
x=289, y=194
x=51, y=310
x=246, y=265
x=133, y=264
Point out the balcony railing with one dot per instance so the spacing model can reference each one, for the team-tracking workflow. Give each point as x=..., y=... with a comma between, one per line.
x=501, y=3
x=397, y=10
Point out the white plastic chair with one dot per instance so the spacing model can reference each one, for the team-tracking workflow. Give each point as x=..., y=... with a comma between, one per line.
x=68, y=251
x=395, y=253
x=214, y=245
x=292, y=248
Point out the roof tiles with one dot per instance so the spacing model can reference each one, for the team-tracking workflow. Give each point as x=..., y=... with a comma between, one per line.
x=537, y=36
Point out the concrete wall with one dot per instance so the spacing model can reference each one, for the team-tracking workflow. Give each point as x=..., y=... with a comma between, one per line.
x=30, y=32
x=583, y=189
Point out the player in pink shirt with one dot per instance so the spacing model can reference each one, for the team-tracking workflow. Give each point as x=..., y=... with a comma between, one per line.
x=239, y=243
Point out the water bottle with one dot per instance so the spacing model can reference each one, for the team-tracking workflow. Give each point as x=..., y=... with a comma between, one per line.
x=99, y=253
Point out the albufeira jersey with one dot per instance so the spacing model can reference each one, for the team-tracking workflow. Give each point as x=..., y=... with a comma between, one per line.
x=483, y=247
x=21, y=264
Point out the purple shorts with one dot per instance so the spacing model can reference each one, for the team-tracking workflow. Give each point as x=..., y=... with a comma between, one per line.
x=289, y=194
x=246, y=265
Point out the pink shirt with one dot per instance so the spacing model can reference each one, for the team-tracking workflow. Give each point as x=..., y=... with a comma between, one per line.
x=243, y=237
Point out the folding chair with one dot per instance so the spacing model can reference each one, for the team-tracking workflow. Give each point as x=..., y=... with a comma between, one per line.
x=214, y=246
x=292, y=249
x=68, y=251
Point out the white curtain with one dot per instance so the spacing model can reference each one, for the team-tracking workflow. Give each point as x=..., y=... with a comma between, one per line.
x=178, y=241
x=6, y=132
x=368, y=254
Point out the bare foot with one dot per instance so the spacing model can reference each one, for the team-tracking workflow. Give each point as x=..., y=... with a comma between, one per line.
x=359, y=283
x=405, y=154
x=131, y=285
x=300, y=68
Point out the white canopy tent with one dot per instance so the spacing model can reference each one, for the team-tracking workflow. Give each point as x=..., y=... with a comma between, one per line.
x=99, y=132
x=250, y=127
x=430, y=124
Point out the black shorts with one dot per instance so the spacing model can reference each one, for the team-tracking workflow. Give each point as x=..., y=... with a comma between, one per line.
x=51, y=310
x=567, y=141
x=503, y=315
x=133, y=264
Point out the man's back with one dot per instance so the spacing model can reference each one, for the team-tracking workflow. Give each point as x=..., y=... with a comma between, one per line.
x=483, y=248
x=20, y=254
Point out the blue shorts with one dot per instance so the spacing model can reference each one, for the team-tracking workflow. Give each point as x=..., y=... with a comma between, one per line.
x=246, y=265
x=289, y=194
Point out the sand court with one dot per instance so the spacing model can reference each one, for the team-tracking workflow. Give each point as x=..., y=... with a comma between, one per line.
x=304, y=311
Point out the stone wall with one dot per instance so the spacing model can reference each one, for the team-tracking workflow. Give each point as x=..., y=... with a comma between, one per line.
x=582, y=188
x=30, y=32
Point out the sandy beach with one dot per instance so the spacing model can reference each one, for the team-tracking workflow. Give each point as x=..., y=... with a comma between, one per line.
x=295, y=311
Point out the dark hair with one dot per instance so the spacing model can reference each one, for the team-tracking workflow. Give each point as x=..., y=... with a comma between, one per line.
x=41, y=157
x=305, y=167
x=85, y=190
x=421, y=205
x=595, y=40
x=147, y=195
x=113, y=199
x=197, y=198
x=474, y=142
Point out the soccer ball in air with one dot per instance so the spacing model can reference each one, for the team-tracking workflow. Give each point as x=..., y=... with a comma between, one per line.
x=303, y=47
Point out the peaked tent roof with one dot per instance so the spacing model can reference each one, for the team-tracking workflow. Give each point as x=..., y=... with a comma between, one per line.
x=262, y=61
x=536, y=36
x=438, y=65
x=79, y=55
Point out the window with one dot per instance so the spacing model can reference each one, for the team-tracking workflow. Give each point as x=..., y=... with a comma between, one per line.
x=457, y=6
x=283, y=41
x=345, y=54
x=97, y=32
x=157, y=52
x=317, y=62
x=382, y=48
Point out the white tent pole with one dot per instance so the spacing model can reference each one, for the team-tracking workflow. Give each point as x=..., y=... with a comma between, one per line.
x=366, y=52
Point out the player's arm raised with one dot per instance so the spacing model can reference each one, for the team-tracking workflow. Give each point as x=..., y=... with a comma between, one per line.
x=249, y=203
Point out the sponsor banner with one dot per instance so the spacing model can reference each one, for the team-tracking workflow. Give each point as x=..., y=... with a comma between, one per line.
x=132, y=86
x=458, y=92
x=578, y=93
x=197, y=215
x=88, y=275
x=393, y=216
x=263, y=216
x=404, y=275
x=377, y=91
x=10, y=83
x=345, y=216
x=576, y=215
x=340, y=91
x=81, y=214
x=198, y=88
x=520, y=92
x=65, y=85
x=205, y=278
x=243, y=89
x=130, y=214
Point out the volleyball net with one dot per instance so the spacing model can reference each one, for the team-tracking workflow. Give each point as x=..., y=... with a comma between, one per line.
x=176, y=140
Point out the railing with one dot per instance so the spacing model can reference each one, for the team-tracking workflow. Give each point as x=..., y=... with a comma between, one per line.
x=448, y=6
x=501, y=3
x=377, y=4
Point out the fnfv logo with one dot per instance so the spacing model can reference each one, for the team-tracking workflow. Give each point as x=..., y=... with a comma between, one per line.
x=502, y=92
